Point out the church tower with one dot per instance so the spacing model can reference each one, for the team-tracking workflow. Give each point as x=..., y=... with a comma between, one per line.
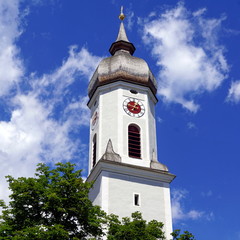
x=123, y=146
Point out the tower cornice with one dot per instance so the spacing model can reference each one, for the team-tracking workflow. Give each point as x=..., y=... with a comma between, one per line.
x=121, y=83
x=130, y=170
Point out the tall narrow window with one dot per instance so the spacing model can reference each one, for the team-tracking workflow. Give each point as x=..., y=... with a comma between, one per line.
x=136, y=199
x=94, y=150
x=134, y=141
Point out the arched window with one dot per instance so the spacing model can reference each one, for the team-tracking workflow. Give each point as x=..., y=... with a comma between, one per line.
x=94, y=150
x=134, y=141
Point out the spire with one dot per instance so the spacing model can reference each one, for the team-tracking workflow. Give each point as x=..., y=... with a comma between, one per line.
x=122, y=41
x=122, y=33
x=122, y=36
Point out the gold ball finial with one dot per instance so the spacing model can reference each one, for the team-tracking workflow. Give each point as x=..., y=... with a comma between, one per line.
x=121, y=16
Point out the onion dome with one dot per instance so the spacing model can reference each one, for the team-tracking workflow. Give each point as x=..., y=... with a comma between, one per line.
x=122, y=66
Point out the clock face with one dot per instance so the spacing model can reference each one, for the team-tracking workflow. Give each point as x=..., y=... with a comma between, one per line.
x=133, y=107
x=94, y=119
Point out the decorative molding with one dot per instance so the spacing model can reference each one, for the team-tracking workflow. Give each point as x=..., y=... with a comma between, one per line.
x=110, y=154
x=130, y=170
x=154, y=164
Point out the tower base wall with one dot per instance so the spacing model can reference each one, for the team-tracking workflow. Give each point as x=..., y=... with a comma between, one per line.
x=122, y=189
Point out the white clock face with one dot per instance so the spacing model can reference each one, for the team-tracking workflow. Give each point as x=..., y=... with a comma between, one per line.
x=133, y=107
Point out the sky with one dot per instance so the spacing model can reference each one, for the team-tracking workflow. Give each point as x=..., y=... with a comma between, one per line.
x=49, y=51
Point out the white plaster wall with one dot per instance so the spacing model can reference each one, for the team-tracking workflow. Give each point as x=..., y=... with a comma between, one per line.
x=168, y=211
x=114, y=191
x=95, y=193
x=108, y=119
x=154, y=198
x=141, y=122
x=152, y=129
x=94, y=106
x=113, y=122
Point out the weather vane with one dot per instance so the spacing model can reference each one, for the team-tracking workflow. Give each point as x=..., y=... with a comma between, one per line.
x=121, y=16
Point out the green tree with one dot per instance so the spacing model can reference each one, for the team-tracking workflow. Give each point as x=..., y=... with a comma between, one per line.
x=53, y=205
x=185, y=236
x=134, y=229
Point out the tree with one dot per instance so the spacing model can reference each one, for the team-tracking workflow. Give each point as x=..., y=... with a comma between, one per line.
x=135, y=229
x=185, y=236
x=53, y=205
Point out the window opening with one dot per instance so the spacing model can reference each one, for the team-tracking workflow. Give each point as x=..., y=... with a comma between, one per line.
x=134, y=91
x=136, y=200
x=94, y=150
x=134, y=141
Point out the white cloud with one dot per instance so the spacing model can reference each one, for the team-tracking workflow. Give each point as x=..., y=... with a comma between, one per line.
x=188, y=55
x=234, y=92
x=199, y=12
x=11, y=69
x=34, y=133
x=37, y=131
x=191, y=125
x=129, y=19
x=29, y=138
x=179, y=212
x=79, y=64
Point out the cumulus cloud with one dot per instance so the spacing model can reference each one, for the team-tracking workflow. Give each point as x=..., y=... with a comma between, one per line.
x=11, y=69
x=37, y=131
x=78, y=63
x=30, y=137
x=234, y=92
x=45, y=118
x=188, y=54
x=179, y=212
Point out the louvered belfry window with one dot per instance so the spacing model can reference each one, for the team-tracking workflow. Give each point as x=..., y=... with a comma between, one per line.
x=134, y=141
x=94, y=150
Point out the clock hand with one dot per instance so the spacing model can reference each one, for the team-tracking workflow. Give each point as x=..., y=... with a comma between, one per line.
x=135, y=105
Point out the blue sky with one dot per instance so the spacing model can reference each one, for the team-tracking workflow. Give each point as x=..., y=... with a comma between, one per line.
x=48, y=52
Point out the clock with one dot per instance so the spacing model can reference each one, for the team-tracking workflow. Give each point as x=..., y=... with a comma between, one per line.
x=94, y=120
x=133, y=107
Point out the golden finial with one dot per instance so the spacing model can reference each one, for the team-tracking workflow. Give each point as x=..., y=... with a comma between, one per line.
x=121, y=16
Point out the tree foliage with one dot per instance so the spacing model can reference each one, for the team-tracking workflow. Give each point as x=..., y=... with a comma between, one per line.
x=134, y=229
x=53, y=205
x=185, y=236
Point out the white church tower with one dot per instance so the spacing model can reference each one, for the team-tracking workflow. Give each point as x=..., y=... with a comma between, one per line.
x=123, y=146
